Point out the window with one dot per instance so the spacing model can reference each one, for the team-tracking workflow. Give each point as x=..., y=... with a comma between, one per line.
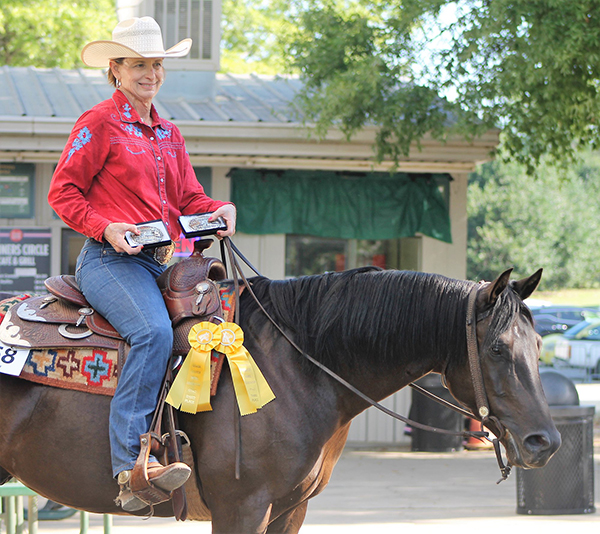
x=306, y=255
x=72, y=243
x=204, y=176
x=198, y=19
x=16, y=190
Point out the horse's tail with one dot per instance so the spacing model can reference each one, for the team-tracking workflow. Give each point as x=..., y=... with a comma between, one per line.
x=5, y=476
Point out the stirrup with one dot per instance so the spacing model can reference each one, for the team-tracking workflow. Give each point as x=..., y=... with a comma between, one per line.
x=137, y=482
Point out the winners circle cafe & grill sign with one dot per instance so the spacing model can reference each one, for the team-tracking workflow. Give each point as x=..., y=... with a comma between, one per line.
x=24, y=259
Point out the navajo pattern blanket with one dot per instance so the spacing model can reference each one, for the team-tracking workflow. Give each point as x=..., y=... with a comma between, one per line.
x=89, y=370
x=93, y=370
x=7, y=303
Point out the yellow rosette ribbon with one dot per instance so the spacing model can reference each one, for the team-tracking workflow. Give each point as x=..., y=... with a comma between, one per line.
x=190, y=391
x=251, y=388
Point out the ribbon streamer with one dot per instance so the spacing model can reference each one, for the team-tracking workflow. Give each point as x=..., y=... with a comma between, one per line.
x=190, y=391
x=251, y=388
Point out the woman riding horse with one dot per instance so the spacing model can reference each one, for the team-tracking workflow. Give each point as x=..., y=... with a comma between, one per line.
x=122, y=165
x=378, y=330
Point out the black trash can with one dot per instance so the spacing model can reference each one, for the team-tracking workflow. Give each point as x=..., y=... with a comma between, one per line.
x=565, y=485
x=426, y=411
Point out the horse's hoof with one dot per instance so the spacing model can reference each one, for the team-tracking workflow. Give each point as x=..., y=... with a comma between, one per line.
x=170, y=477
x=129, y=502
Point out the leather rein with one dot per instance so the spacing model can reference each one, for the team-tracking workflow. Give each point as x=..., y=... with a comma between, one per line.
x=473, y=356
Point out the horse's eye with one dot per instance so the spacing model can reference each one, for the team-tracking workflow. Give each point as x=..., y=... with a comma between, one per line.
x=496, y=348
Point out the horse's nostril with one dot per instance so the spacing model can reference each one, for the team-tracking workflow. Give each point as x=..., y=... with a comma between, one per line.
x=537, y=442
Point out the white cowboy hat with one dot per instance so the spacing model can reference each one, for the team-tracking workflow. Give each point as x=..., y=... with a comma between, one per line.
x=137, y=37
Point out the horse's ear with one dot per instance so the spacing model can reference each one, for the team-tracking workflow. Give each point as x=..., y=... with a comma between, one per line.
x=490, y=293
x=525, y=287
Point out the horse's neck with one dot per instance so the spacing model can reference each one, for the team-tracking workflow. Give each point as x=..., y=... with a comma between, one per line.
x=386, y=345
x=379, y=383
x=430, y=347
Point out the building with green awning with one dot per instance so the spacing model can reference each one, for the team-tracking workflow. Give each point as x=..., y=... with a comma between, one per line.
x=326, y=197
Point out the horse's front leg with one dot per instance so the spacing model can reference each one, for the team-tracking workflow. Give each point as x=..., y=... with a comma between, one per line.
x=289, y=522
x=249, y=517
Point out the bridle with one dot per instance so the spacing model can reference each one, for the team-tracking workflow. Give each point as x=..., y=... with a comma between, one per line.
x=481, y=398
x=474, y=358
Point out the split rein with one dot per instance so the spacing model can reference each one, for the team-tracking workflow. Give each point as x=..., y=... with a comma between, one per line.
x=229, y=249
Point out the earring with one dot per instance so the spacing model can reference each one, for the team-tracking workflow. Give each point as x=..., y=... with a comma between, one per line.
x=118, y=83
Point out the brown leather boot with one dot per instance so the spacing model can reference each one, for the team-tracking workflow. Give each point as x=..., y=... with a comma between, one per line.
x=168, y=477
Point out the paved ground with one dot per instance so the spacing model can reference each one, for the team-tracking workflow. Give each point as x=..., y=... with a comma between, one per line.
x=387, y=492
x=391, y=492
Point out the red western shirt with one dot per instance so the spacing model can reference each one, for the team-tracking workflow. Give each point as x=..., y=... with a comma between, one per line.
x=115, y=168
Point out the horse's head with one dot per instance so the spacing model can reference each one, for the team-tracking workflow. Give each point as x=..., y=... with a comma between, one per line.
x=509, y=349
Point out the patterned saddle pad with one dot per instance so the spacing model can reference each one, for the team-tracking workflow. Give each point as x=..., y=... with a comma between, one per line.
x=94, y=370
x=90, y=370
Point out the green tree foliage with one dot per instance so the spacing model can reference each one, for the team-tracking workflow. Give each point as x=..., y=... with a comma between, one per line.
x=253, y=33
x=441, y=66
x=412, y=67
x=51, y=33
x=356, y=58
x=552, y=221
x=532, y=67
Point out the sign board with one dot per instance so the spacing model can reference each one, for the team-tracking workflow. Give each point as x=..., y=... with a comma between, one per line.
x=12, y=360
x=184, y=248
x=24, y=259
x=16, y=190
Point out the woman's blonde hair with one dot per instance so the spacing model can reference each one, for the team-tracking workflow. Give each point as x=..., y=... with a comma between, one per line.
x=109, y=74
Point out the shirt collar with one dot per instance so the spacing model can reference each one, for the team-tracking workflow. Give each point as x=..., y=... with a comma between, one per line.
x=128, y=113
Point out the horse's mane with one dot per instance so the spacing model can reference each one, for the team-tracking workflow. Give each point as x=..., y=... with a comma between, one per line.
x=386, y=316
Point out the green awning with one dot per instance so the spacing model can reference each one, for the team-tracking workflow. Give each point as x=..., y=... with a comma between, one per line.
x=341, y=205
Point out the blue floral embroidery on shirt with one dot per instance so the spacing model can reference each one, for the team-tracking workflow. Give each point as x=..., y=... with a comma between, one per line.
x=132, y=129
x=127, y=109
x=162, y=134
x=83, y=138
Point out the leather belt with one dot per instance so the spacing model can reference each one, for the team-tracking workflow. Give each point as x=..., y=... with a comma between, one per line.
x=162, y=255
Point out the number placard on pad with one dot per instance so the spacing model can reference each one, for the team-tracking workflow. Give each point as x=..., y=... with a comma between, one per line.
x=12, y=360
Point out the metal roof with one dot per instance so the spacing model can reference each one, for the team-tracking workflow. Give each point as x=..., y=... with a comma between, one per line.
x=185, y=96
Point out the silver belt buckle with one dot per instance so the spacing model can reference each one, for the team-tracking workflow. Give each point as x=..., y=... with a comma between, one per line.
x=162, y=255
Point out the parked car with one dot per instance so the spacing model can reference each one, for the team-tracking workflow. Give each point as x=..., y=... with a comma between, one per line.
x=580, y=345
x=558, y=319
x=549, y=348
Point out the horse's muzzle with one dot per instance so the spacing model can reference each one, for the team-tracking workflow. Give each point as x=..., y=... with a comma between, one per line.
x=534, y=450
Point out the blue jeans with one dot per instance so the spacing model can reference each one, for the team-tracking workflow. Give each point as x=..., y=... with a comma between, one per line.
x=123, y=289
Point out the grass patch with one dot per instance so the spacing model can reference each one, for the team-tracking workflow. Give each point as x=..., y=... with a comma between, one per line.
x=573, y=297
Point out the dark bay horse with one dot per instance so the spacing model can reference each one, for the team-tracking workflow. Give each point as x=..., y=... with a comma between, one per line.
x=379, y=330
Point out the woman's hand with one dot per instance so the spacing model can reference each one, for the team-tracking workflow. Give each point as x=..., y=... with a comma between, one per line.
x=228, y=212
x=114, y=233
